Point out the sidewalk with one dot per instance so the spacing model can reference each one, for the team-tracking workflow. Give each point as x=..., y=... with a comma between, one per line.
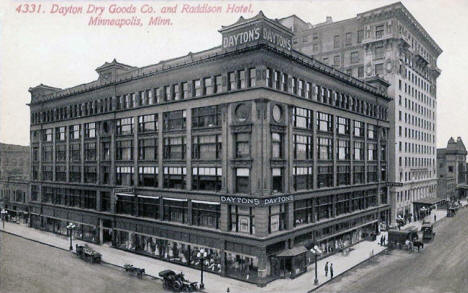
x=213, y=283
x=440, y=214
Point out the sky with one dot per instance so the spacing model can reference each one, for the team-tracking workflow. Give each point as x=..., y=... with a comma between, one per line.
x=64, y=51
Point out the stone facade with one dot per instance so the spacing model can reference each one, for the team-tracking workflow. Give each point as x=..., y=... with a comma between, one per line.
x=388, y=42
x=451, y=169
x=247, y=150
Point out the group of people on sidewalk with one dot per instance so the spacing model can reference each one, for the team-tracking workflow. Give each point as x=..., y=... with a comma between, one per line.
x=329, y=268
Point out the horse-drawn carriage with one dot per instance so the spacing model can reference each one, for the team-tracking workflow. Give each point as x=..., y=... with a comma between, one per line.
x=402, y=238
x=88, y=254
x=177, y=282
x=451, y=211
x=131, y=269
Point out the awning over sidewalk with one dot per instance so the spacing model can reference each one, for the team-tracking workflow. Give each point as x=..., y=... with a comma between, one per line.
x=429, y=201
x=292, y=252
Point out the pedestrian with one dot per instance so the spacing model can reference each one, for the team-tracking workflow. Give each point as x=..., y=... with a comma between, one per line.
x=326, y=268
x=435, y=217
x=331, y=271
x=383, y=240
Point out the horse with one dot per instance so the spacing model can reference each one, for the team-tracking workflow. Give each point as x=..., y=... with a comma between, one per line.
x=418, y=244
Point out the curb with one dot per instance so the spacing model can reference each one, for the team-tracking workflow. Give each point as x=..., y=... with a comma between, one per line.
x=344, y=272
x=61, y=248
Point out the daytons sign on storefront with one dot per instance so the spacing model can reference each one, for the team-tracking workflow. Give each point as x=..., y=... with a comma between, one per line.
x=260, y=202
x=254, y=34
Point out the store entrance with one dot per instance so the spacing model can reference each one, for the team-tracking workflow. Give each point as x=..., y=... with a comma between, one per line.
x=107, y=232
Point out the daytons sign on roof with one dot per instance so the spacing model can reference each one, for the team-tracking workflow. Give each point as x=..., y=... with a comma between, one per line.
x=256, y=29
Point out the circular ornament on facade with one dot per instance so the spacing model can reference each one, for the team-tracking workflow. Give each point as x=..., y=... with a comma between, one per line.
x=277, y=113
x=242, y=112
x=369, y=69
x=388, y=65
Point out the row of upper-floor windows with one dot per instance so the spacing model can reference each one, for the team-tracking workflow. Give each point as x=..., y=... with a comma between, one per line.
x=416, y=162
x=174, y=120
x=209, y=147
x=233, y=80
x=11, y=194
x=416, y=148
x=303, y=118
x=415, y=194
x=416, y=134
x=416, y=175
x=309, y=90
x=204, y=147
x=210, y=178
x=416, y=121
x=409, y=60
x=421, y=98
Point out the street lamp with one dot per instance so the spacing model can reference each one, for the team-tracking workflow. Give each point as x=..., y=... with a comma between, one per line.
x=202, y=254
x=316, y=251
x=70, y=228
x=4, y=216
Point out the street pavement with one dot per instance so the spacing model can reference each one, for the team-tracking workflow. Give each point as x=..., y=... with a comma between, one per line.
x=215, y=283
x=31, y=267
x=441, y=267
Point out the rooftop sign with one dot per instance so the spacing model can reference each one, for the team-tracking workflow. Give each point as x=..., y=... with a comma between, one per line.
x=256, y=29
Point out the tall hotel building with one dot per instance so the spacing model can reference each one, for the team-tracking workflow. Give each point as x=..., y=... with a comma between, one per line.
x=250, y=150
x=390, y=44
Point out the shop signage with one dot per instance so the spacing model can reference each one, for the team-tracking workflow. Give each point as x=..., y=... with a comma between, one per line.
x=256, y=33
x=256, y=202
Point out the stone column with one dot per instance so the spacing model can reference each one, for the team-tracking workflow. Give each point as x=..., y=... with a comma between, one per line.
x=160, y=149
x=188, y=143
x=135, y=150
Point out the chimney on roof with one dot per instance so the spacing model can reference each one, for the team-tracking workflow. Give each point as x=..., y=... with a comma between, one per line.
x=329, y=19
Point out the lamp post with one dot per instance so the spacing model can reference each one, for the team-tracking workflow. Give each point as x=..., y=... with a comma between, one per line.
x=70, y=228
x=316, y=251
x=202, y=254
x=4, y=216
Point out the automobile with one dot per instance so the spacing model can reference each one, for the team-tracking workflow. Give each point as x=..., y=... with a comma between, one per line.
x=428, y=231
x=177, y=282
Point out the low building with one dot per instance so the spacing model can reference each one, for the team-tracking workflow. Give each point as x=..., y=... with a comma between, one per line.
x=14, y=161
x=451, y=169
x=250, y=150
x=13, y=198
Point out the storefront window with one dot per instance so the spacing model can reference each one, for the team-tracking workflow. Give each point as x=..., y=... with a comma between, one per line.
x=148, y=207
x=125, y=204
x=241, y=266
x=176, y=210
x=205, y=214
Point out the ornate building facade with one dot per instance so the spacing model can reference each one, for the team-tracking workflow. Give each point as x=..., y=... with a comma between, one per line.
x=250, y=150
x=389, y=43
x=451, y=169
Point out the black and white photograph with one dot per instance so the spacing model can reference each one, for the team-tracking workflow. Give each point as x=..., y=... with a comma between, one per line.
x=233, y=146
